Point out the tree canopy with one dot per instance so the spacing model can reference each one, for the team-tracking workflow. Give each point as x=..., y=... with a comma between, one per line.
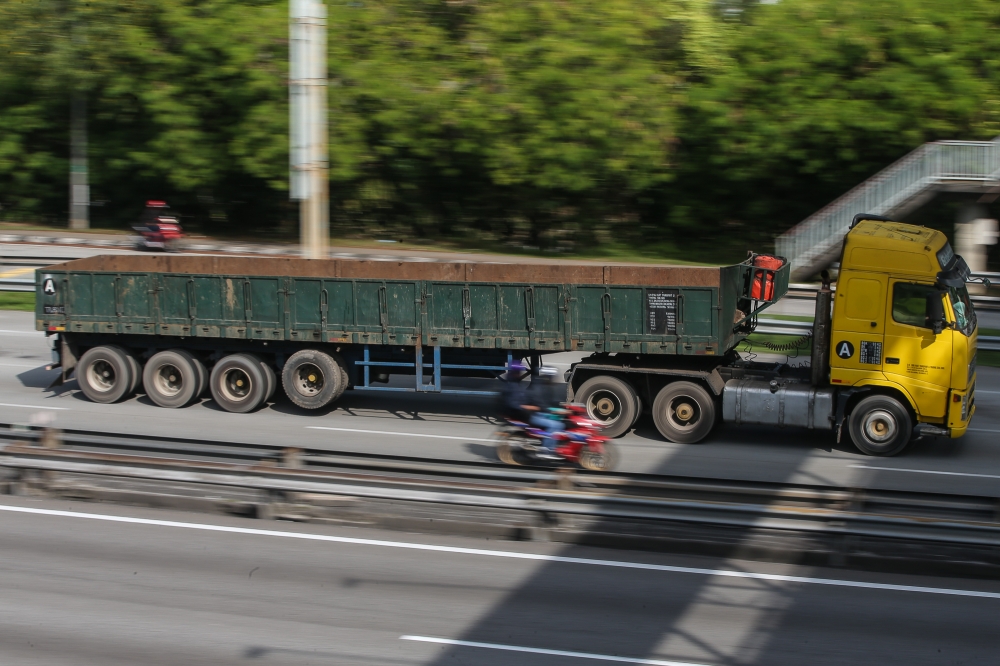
x=670, y=125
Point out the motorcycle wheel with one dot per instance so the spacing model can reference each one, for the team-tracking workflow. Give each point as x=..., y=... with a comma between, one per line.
x=600, y=461
x=505, y=448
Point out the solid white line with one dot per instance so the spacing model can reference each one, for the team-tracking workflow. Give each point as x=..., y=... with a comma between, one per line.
x=978, y=391
x=8, y=332
x=19, y=365
x=8, y=404
x=513, y=555
x=554, y=653
x=982, y=430
x=401, y=434
x=926, y=471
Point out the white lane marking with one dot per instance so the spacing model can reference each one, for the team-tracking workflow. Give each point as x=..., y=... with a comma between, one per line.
x=401, y=434
x=20, y=365
x=926, y=471
x=978, y=391
x=9, y=404
x=8, y=332
x=513, y=555
x=554, y=653
x=982, y=430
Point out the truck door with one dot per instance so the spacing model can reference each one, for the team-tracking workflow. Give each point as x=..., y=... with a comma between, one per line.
x=914, y=356
x=858, y=333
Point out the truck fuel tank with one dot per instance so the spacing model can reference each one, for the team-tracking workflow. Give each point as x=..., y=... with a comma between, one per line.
x=782, y=402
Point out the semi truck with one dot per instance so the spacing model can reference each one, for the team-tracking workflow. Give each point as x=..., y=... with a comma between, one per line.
x=893, y=348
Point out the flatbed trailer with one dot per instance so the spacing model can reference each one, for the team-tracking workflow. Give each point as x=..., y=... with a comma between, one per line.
x=660, y=338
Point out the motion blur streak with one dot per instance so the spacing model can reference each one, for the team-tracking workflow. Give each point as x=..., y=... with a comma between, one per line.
x=511, y=555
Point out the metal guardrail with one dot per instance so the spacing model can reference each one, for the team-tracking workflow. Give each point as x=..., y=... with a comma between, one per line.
x=615, y=509
x=789, y=327
x=955, y=165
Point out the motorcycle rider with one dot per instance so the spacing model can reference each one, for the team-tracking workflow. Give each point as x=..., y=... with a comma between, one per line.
x=547, y=412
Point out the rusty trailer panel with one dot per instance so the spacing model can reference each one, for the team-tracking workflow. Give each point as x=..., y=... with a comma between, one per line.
x=499, y=306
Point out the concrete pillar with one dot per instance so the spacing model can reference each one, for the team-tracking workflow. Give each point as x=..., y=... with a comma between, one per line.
x=974, y=232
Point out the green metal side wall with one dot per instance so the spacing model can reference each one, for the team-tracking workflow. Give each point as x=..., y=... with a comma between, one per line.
x=501, y=315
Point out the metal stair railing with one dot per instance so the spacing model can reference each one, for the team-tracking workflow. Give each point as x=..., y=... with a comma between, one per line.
x=813, y=244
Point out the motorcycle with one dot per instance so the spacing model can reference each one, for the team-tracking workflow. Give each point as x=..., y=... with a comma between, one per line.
x=159, y=230
x=579, y=443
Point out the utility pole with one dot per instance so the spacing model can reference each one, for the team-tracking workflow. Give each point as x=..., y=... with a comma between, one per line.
x=79, y=185
x=309, y=158
x=79, y=179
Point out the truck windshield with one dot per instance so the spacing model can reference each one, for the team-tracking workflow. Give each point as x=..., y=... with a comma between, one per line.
x=965, y=315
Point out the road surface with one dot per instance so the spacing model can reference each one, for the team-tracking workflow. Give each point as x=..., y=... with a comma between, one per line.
x=459, y=428
x=81, y=588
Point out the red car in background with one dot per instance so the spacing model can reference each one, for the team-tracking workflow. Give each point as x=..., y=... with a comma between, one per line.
x=159, y=229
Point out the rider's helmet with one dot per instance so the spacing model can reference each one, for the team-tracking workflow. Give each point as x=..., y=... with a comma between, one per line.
x=547, y=374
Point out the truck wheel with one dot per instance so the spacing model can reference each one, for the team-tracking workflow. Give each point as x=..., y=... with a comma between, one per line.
x=105, y=374
x=610, y=401
x=271, y=377
x=345, y=380
x=684, y=412
x=171, y=378
x=238, y=384
x=880, y=426
x=133, y=364
x=312, y=379
x=202, y=375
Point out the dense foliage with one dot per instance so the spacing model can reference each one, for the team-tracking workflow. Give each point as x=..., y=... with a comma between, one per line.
x=674, y=126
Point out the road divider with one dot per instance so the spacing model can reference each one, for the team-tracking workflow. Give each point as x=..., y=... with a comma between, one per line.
x=809, y=524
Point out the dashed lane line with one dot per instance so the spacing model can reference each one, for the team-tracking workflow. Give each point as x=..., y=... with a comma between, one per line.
x=400, y=434
x=545, y=651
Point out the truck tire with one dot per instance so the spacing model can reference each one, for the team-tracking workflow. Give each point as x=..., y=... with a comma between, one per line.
x=238, y=384
x=203, y=375
x=880, y=426
x=172, y=378
x=684, y=412
x=133, y=363
x=105, y=374
x=312, y=379
x=610, y=401
x=270, y=376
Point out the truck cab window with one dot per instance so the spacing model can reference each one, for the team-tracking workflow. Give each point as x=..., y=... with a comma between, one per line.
x=909, y=303
x=965, y=315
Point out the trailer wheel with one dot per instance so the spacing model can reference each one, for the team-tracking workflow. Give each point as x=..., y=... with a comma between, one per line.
x=238, y=384
x=610, y=401
x=312, y=379
x=136, y=369
x=880, y=426
x=345, y=379
x=270, y=377
x=684, y=412
x=105, y=374
x=171, y=378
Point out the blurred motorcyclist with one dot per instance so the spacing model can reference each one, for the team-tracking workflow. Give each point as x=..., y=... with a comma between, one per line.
x=545, y=405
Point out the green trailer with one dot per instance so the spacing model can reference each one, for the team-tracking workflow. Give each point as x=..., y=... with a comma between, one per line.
x=241, y=326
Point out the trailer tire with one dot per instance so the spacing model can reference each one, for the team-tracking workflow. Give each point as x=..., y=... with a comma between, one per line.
x=238, y=384
x=133, y=363
x=105, y=374
x=610, y=401
x=312, y=379
x=172, y=379
x=203, y=375
x=272, y=379
x=345, y=379
x=684, y=412
x=880, y=426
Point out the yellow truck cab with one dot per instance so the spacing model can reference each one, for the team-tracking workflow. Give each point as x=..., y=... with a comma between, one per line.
x=903, y=336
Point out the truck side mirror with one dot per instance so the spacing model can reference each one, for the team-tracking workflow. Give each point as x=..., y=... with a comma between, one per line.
x=935, y=312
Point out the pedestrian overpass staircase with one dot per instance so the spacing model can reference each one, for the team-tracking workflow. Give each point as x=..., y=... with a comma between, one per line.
x=953, y=166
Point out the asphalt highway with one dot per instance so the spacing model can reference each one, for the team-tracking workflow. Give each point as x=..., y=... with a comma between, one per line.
x=460, y=427
x=86, y=584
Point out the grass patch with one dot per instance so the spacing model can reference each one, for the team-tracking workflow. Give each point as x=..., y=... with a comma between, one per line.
x=17, y=300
